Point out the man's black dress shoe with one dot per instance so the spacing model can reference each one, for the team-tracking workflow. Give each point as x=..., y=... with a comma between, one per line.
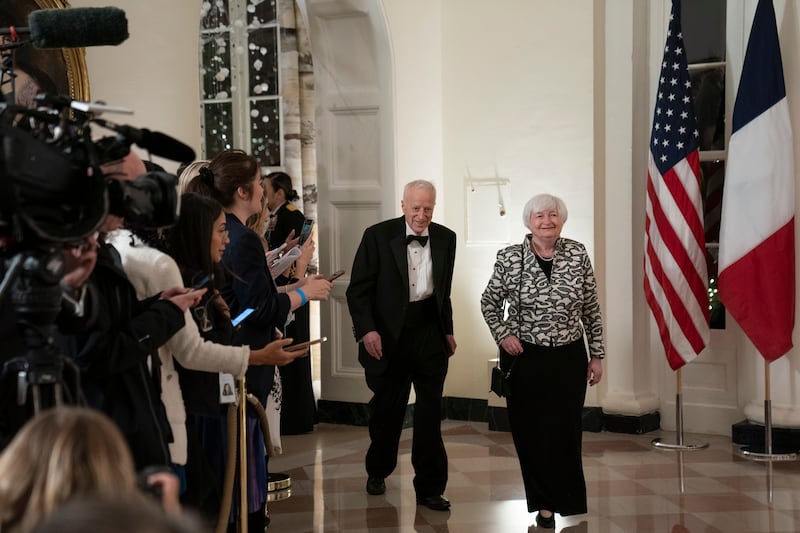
x=546, y=522
x=375, y=485
x=437, y=503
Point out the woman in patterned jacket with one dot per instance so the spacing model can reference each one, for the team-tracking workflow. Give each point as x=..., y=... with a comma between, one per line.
x=549, y=286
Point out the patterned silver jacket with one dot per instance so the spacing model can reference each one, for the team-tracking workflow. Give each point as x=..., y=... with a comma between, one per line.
x=553, y=312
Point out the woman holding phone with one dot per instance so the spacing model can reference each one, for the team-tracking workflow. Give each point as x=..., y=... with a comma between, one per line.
x=233, y=179
x=192, y=359
x=197, y=243
x=286, y=221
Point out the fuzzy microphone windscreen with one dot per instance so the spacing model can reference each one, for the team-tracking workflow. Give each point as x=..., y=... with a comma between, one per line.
x=77, y=27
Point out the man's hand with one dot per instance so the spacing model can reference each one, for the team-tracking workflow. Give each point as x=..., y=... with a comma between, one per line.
x=372, y=343
x=451, y=344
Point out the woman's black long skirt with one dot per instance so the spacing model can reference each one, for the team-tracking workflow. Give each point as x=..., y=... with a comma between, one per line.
x=548, y=388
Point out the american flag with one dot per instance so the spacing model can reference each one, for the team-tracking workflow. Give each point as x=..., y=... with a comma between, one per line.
x=675, y=277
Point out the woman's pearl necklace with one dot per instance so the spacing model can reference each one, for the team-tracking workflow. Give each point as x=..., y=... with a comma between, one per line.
x=540, y=256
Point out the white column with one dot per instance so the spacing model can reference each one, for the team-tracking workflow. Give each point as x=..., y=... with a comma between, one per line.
x=621, y=86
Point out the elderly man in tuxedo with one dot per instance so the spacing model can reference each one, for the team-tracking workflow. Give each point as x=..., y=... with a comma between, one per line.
x=399, y=300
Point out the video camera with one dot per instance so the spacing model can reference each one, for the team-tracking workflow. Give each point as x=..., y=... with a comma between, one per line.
x=53, y=193
x=51, y=177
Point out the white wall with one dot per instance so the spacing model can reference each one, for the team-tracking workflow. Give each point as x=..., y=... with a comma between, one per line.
x=415, y=34
x=155, y=71
x=517, y=102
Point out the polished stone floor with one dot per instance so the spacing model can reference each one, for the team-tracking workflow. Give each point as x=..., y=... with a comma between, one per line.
x=632, y=487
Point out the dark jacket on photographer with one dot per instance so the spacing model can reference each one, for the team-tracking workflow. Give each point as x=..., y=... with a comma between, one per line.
x=118, y=356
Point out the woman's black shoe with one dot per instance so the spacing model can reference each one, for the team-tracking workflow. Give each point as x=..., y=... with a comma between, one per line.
x=546, y=522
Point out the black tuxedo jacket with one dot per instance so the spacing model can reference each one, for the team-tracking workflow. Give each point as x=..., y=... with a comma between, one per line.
x=378, y=292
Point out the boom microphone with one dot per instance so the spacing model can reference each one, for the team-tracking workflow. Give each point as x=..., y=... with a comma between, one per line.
x=162, y=145
x=154, y=142
x=77, y=27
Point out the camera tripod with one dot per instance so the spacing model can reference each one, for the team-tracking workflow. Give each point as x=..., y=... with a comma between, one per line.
x=31, y=282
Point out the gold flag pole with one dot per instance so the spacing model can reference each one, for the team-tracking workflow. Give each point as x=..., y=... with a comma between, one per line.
x=242, y=400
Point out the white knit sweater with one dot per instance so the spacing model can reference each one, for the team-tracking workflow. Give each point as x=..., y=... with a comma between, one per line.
x=151, y=271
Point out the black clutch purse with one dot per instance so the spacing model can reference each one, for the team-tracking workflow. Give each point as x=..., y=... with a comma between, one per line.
x=501, y=380
x=501, y=384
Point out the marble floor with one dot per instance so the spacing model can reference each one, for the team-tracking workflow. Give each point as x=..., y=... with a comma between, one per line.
x=632, y=487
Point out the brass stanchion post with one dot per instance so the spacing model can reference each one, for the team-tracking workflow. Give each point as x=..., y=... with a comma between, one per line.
x=242, y=411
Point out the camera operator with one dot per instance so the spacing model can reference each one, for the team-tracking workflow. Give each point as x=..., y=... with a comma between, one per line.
x=120, y=375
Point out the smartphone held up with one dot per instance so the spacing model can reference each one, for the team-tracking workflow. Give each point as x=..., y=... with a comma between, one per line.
x=304, y=345
x=305, y=232
x=335, y=275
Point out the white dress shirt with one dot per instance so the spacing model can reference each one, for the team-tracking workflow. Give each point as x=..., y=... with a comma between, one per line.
x=420, y=268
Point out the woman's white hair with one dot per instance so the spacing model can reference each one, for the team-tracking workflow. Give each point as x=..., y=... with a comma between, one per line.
x=543, y=202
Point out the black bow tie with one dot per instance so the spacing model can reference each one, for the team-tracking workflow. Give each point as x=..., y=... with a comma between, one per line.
x=421, y=239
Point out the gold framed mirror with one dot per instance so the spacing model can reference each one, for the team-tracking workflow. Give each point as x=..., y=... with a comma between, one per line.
x=57, y=71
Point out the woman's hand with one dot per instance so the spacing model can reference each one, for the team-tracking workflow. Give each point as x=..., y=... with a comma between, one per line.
x=291, y=241
x=274, y=353
x=511, y=345
x=595, y=371
x=168, y=485
x=307, y=251
x=182, y=297
x=316, y=287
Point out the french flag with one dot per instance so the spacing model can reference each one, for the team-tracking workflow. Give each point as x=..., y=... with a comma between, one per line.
x=756, y=248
